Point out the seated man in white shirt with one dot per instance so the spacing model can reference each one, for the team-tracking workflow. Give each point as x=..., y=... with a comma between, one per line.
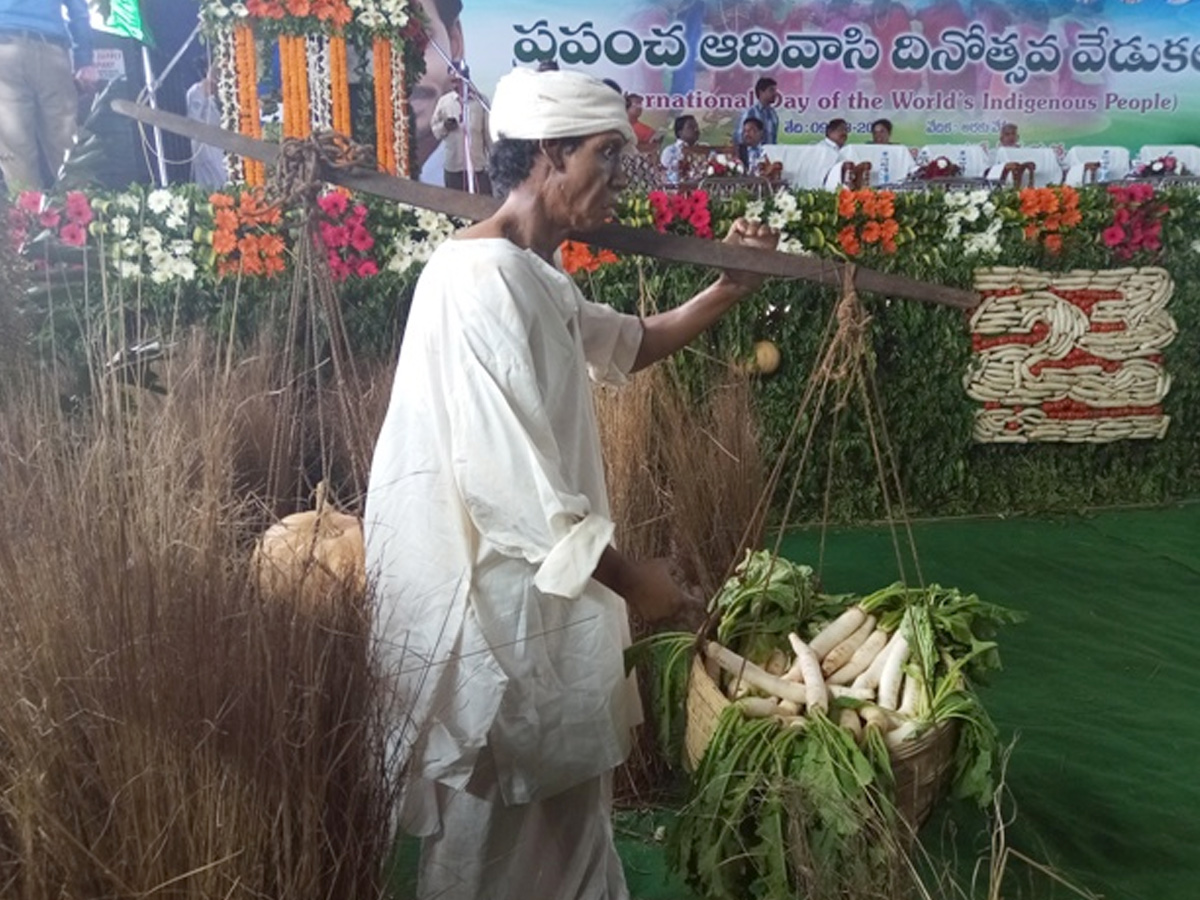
x=836, y=133
x=674, y=156
x=750, y=149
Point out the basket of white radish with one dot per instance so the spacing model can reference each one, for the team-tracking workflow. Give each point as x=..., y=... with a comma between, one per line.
x=890, y=668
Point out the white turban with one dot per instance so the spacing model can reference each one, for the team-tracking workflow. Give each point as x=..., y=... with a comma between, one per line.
x=531, y=105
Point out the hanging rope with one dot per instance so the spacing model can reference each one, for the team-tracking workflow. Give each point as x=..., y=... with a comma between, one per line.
x=316, y=332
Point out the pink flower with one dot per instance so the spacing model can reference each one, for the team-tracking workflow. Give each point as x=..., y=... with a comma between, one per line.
x=333, y=204
x=338, y=268
x=30, y=202
x=1152, y=242
x=1141, y=192
x=49, y=218
x=78, y=208
x=360, y=239
x=367, y=268
x=357, y=215
x=334, y=236
x=73, y=234
x=700, y=218
x=1113, y=235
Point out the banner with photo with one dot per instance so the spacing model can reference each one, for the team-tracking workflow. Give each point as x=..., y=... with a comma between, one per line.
x=943, y=71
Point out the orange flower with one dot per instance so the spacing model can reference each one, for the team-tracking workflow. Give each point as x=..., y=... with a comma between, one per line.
x=273, y=265
x=849, y=241
x=248, y=245
x=220, y=201
x=890, y=228
x=1029, y=202
x=226, y=219
x=252, y=264
x=299, y=7
x=1052, y=223
x=1054, y=242
x=224, y=242
x=1071, y=217
x=270, y=245
x=846, y=204
x=872, y=233
x=869, y=206
x=885, y=207
x=1031, y=232
x=889, y=246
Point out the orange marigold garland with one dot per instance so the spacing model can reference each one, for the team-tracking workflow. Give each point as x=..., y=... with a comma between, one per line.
x=384, y=125
x=249, y=117
x=340, y=84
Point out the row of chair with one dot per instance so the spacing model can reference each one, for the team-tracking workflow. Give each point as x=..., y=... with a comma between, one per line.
x=818, y=165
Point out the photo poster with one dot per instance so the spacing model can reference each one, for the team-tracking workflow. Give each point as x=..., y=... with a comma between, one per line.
x=1109, y=72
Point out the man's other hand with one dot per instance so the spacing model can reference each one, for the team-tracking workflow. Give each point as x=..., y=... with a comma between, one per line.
x=88, y=77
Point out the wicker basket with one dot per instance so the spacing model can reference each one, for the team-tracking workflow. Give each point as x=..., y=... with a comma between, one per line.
x=922, y=767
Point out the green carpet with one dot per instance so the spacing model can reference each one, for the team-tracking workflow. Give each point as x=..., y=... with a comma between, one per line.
x=1099, y=690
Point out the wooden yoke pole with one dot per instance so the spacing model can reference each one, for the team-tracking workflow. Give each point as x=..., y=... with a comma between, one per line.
x=621, y=238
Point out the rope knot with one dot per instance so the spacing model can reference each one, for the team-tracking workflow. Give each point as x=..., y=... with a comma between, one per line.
x=297, y=179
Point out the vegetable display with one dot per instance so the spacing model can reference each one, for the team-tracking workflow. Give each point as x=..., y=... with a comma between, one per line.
x=796, y=792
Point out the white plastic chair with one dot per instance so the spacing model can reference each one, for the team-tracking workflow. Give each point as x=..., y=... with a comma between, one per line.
x=1047, y=169
x=804, y=165
x=1112, y=164
x=970, y=158
x=1188, y=154
x=890, y=163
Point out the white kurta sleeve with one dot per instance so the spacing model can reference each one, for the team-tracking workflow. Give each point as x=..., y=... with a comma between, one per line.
x=611, y=341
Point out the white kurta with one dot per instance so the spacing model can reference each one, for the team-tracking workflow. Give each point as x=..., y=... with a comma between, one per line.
x=486, y=515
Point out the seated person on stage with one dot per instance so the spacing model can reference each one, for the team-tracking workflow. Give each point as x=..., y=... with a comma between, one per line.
x=750, y=150
x=881, y=131
x=646, y=138
x=1009, y=137
x=836, y=133
x=674, y=156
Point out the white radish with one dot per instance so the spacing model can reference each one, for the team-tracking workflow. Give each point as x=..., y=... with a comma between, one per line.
x=862, y=658
x=795, y=673
x=841, y=690
x=814, y=681
x=758, y=707
x=874, y=717
x=910, y=695
x=897, y=736
x=889, y=676
x=849, y=720
x=788, y=708
x=837, y=631
x=840, y=655
x=753, y=675
x=870, y=678
x=777, y=663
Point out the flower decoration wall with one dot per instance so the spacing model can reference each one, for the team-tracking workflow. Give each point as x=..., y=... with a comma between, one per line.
x=683, y=212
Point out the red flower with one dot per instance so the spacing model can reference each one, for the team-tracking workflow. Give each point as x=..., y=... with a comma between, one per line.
x=1112, y=235
x=360, y=239
x=78, y=208
x=367, y=268
x=30, y=202
x=333, y=204
x=73, y=234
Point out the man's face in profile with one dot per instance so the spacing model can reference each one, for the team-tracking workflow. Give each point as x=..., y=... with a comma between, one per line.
x=436, y=81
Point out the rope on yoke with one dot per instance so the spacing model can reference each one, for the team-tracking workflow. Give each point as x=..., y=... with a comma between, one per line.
x=298, y=179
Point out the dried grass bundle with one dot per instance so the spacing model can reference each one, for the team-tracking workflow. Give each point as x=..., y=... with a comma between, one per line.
x=163, y=730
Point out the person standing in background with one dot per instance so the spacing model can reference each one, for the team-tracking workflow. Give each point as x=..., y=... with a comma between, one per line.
x=208, y=162
x=457, y=130
x=766, y=92
x=45, y=61
x=445, y=34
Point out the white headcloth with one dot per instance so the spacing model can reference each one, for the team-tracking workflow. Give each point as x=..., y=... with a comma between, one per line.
x=531, y=105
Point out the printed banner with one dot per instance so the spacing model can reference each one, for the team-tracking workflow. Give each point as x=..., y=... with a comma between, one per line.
x=943, y=71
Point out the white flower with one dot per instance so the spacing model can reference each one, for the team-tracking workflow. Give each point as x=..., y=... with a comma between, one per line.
x=185, y=269
x=1196, y=246
x=128, y=270
x=152, y=238
x=754, y=210
x=179, y=206
x=777, y=220
x=785, y=202
x=239, y=10
x=159, y=200
x=120, y=225
x=130, y=201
